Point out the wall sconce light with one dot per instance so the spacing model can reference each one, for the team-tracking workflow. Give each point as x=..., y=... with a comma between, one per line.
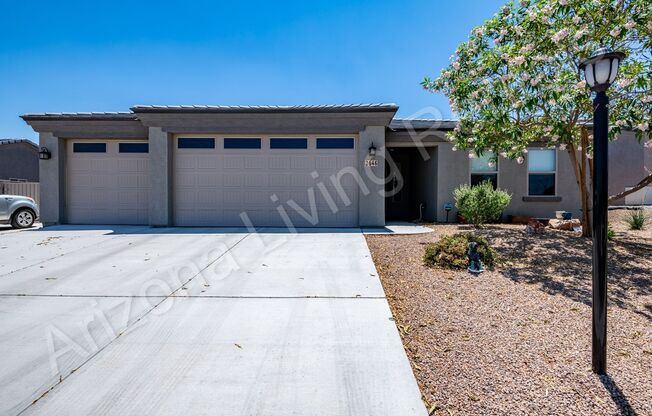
x=372, y=150
x=44, y=154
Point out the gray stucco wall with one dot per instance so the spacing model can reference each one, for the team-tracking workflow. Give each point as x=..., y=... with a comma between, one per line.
x=372, y=205
x=19, y=161
x=52, y=176
x=629, y=162
x=454, y=169
x=160, y=177
x=513, y=177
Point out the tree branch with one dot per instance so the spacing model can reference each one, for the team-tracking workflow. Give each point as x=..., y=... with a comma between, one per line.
x=642, y=184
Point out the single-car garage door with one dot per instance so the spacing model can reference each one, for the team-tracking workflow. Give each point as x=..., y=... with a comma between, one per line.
x=311, y=181
x=107, y=182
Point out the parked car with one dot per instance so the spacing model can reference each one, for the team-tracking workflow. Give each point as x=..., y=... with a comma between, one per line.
x=19, y=211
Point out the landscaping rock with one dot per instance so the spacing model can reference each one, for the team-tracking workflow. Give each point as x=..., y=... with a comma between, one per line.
x=566, y=225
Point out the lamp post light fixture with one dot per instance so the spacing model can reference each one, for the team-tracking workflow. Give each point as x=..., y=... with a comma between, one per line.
x=44, y=154
x=600, y=71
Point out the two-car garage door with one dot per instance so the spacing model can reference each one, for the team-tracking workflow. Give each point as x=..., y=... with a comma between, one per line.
x=307, y=181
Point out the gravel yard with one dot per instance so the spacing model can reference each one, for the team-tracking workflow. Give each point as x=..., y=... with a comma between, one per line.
x=516, y=340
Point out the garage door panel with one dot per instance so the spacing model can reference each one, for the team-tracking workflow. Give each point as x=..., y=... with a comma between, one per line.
x=234, y=162
x=210, y=198
x=186, y=161
x=243, y=181
x=106, y=188
x=280, y=180
x=257, y=198
x=256, y=180
x=206, y=179
x=255, y=163
x=280, y=162
x=206, y=162
x=233, y=180
x=303, y=162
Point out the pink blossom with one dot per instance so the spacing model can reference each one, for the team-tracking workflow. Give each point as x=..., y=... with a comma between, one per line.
x=630, y=25
x=615, y=32
x=559, y=36
x=643, y=126
x=520, y=160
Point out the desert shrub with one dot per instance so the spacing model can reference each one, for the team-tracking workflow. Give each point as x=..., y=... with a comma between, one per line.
x=481, y=204
x=611, y=233
x=451, y=252
x=636, y=219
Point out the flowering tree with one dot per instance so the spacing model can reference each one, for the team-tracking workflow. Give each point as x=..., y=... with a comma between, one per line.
x=516, y=81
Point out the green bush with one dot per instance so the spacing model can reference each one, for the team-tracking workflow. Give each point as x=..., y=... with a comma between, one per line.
x=636, y=219
x=481, y=204
x=451, y=252
x=611, y=233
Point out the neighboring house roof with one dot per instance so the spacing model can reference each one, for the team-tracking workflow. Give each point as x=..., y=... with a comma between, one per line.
x=335, y=108
x=14, y=141
x=422, y=124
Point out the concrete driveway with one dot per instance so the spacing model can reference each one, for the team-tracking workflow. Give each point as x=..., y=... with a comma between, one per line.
x=140, y=321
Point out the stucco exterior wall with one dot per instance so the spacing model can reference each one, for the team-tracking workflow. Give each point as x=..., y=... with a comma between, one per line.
x=19, y=161
x=160, y=177
x=52, y=176
x=372, y=205
x=629, y=162
x=452, y=170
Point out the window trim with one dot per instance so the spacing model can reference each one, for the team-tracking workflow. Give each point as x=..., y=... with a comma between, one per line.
x=195, y=138
x=132, y=142
x=496, y=172
x=304, y=139
x=352, y=139
x=555, y=172
x=105, y=144
x=259, y=139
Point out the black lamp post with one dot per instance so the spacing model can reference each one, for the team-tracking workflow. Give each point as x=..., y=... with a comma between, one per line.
x=600, y=71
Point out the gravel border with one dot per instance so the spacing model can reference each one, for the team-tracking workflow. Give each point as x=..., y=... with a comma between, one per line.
x=517, y=340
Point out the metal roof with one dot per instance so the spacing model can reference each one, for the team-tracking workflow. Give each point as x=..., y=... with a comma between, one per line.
x=422, y=124
x=334, y=108
x=80, y=116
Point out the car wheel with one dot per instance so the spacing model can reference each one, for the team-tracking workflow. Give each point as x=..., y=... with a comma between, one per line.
x=23, y=218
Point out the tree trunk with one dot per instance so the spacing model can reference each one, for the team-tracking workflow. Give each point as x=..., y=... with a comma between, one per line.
x=642, y=184
x=581, y=178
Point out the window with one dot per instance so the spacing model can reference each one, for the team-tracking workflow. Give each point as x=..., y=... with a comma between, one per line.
x=333, y=143
x=483, y=168
x=192, y=143
x=133, y=147
x=542, y=171
x=89, y=147
x=288, y=143
x=238, y=143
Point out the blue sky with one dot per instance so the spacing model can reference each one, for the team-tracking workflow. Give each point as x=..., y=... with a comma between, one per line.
x=108, y=56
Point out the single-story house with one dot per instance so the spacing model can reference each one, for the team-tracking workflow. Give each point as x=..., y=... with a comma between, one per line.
x=18, y=160
x=323, y=166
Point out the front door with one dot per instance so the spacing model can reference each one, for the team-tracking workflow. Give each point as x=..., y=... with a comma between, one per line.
x=397, y=195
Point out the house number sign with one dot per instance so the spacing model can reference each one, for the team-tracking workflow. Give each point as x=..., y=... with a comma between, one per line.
x=371, y=163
